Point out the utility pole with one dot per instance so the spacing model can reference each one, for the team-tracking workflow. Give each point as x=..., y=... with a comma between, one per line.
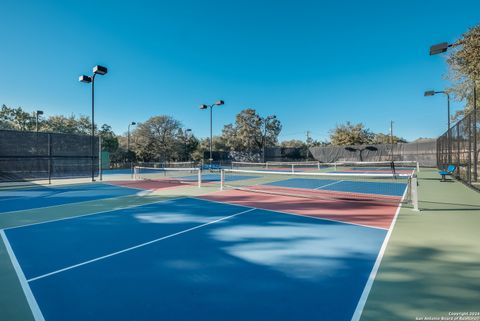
x=391, y=138
x=308, y=139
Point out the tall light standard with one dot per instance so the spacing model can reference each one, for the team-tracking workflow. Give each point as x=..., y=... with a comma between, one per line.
x=188, y=130
x=128, y=135
x=97, y=70
x=432, y=93
x=218, y=103
x=37, y=116
x=441, y=48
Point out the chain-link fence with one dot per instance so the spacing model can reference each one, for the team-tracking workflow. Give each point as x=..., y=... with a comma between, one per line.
x=425, y=153
x=460, y=147
x=38, y=155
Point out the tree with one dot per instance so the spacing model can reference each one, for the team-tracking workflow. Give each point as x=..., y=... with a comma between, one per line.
x=158, y=139
x=251, y=132
x=464, y=68
x=68, y=125
x=293, y=143
x=16, y=118
x=109, y=139
x=351, y=134
x=387, y=139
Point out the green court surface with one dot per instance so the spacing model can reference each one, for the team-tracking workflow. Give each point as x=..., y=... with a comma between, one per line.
x=431, y=265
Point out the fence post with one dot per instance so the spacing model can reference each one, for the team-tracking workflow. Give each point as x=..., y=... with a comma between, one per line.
x=475, y=157
x=100, y=172
x=49, y=158
x=469, y=165
x=458, y=148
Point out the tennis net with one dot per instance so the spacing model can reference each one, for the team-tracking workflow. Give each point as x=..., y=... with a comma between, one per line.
x=167, y=164
x=371, y=187
x=174, y=175
x=378, y=166
x=278, y=166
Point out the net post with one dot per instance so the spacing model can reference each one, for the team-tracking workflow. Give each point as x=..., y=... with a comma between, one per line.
x=318, y=165
x=418, y=167
x=293, y=168
x=199, y=178
x=135, y=173
x=414, y=191
x=222, y=179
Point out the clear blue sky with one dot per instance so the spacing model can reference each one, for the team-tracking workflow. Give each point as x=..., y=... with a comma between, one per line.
x=312, y=63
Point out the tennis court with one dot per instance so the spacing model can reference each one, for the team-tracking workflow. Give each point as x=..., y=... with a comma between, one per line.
x=240, y=246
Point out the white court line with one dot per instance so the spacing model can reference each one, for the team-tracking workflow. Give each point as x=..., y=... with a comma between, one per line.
x=95, y=213
x=37, y=313
x=328, y=184
x=368, y=286
x=66, y=204
x=287, y=213
x=137, y=246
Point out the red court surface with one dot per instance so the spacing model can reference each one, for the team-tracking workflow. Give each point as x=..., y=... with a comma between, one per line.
x=370, y=213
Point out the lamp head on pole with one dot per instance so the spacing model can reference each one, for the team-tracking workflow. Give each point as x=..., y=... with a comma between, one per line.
x=203, y=106
x=100, y=70
x=429, y=93
x=85, y=79
x=219, y=103
x=133, y=123
x=439, y=48
x=39, y=112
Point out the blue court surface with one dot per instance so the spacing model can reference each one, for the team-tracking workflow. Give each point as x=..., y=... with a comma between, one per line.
x=380, y=188
x=43, y=196
x=192, y=259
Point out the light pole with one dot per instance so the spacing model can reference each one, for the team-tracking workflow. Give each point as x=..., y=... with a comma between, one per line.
x=441, y=48
x=128, y=135
x=97, y=70
x=391, y=139
x=37, y=115
x=432, y=93
x=218, y=103
x=188, y=130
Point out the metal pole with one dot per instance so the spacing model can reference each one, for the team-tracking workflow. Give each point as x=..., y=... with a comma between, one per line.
x=128, y=138
x=93, y=128
x=308, y=138
x=448, y=131
x=475, y=156
x=100, y=169
x=391, y=138
x=211, y=157
x=36, y=122
x=264, y=139
x=49, y=158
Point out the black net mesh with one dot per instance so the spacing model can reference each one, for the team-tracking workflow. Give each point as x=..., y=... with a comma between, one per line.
x=31, y=155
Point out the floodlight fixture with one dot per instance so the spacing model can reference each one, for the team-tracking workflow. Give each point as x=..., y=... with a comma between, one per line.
x=439, y=48
x=100, y=70
x=85, y=79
